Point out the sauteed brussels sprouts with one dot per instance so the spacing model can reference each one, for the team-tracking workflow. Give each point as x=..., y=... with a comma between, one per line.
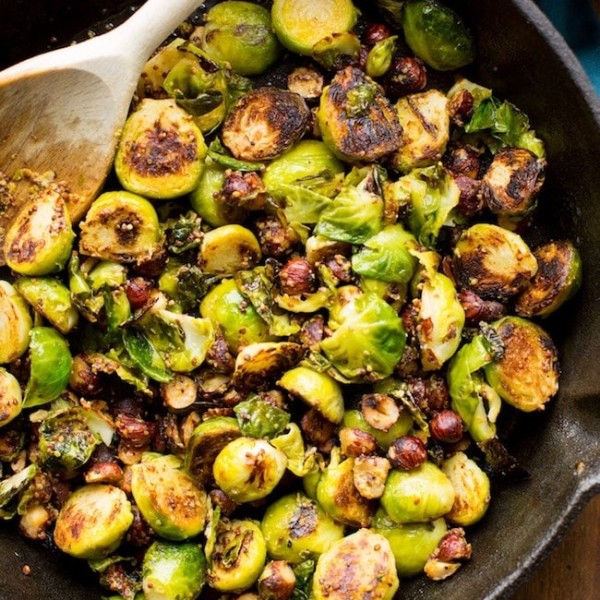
x=279, y=355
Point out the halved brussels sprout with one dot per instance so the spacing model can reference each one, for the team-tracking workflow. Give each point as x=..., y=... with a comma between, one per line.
x=297, y=528
x=93, y=521
x=354, y=419
x=318, y=390
x=206, y=441
x=411, y=543
x=173, y=571
x=472, y=487
x=338, y=496
x=300, y=24
x=527, y=374
x=502, y=270
x=50, y=370
x=120, y=226
x=249, y=469
x=51, y=299
x=174, y=506
x=231, y=311
x=436, y=34
x=228, y=249
x=356, y=120
x=259, y=418
x=15, y=323
x=11, y=397
x=240, y=34
x=238, y=555
x=425, y=121
x=361, y=565
x=557, y=279
x=161, y=151
x=264, y=123
x=40, y=237
x=419, y=495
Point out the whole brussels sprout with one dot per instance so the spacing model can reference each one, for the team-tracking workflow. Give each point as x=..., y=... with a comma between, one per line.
x=411, y=543
x=361, y=565
x=237, y=555
x=174, y=506
x=249, y=469
x=161, y=151
x=10, y=397
x=173, y=571
x=296, y=528
x=416, y=496
x=93, y=521
x=15, y=323
x=240, y=34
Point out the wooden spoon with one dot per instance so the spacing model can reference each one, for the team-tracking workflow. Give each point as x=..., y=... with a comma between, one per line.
x=63, y=111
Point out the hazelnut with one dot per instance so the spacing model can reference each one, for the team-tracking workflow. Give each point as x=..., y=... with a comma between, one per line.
x=376, y=32
x=138, y=291
x=446, y=426
x=297, y=277
x=407, y=75
x=407, y=453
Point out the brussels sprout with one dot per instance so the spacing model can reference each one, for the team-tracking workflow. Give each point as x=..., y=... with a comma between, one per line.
x=379, y=58
x=174, y=506
x=436, y=34
x=308, y=164
x=557, y=280
x=300, y=461
x=318, y=390
x=152, y=77
x=356, y=120
x=386, y=256
x=248, y=469
x=411, y=543
x=511, y=183
x=526, y=376
x=230, y=311
x=40, y=237
x=425, y=121
x=260, y=419
x=354, y=419
x=120, y=226
x=50, y=370
x=444, y=316
x=335, y=51
x=161, y=151
x=240, y=34
x=172, y=571
x=51, y=299
x=238, y=556
x=300, y=24
x=297, y=528
x=502, y=270
x=15, y=323
x=93, y=521
x=419, y=495
x=12, y=486
x=66, y=441
x=369, y=341
x=206, y=441
x=472, y=488
x=264, y=123
x=11, y=397
x=145, y=356
x=338, y=496
x=228, y=249
x=361, y=565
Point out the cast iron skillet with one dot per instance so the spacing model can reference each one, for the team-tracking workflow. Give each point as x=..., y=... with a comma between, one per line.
x=525, y=60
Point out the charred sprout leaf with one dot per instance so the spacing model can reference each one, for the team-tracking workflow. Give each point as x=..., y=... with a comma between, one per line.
x=145, y=356
x=173, y=571
x=184, y=234
x=297, y=528
x=12, y=486
x=185, y=285
x=436, y=34
x=257, y=418
x=336, y=50
x=257, y=285
x=221, y=156
x=300, y=461
x=304, y=573
x=15, y=323
x=51, y=363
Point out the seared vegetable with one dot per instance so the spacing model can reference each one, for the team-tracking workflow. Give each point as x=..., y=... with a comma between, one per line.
x=358, y=566
x=437, y=34
x=300, y=24
x=356, y=120
x=15, y=323
x=120, y=226
x=228, y=249
x=264, y=123
x=240, y=33
x=31, y=245
x=10, y=397
x=354, y=419
x=93, y=521
x=161, y=151
x=173, y=571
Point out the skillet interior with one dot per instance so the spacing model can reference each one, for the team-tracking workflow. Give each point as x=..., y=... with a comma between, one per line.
x=523, y=59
